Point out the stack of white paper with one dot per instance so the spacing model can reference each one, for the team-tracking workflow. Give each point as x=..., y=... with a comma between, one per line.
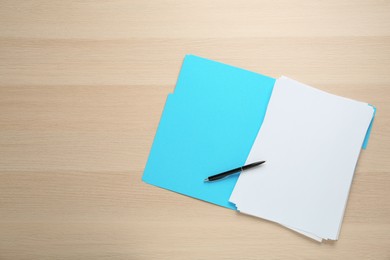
x=311, y=142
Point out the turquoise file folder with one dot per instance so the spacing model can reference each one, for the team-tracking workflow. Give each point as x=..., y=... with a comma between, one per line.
x=208, y=126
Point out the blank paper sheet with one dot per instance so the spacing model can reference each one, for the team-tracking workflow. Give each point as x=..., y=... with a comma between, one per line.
x=311, y=142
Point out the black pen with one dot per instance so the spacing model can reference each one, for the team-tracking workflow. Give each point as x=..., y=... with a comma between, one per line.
x=230, y=172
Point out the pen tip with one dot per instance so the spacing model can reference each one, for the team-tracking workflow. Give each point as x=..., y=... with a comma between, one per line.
x=206, y=180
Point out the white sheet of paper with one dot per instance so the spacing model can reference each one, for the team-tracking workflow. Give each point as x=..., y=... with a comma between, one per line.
x=311, y=142
x=314, y=237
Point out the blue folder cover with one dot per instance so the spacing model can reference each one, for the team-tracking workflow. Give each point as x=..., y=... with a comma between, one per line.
x=208, y=126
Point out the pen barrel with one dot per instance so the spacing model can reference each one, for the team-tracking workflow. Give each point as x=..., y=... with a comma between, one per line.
x=230, y=172
x=224, y=174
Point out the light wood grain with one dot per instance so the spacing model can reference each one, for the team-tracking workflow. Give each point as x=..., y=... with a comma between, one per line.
x=82, y=88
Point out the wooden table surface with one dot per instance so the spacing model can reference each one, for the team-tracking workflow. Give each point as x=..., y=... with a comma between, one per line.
x=82, y=88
